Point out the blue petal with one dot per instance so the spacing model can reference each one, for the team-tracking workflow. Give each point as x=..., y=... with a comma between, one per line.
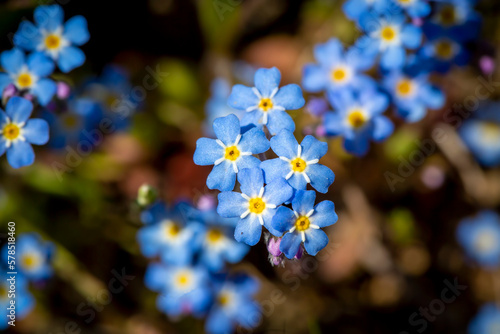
x=316, y=240
x=44, y=90
x=18, y=109
x=266, y=80
x=383, y=128
x=359, y=60
x=321, y=177
x=5, y=80
x=290, y=244
x=255, y=141
x=359, y=144
x=40, y=65
x=12, y=61
x=324, y=214
x=227, y=129
x=222, y=177
x=411, y=36
x=412, y=113
x=267, y=217
x=207, y=152
x=251, y=181
x=313, y=148
x=289, y=97
x=242, y=97
x=3, y=145
x=274, y=169
x=433, y=97
x=279, y=120
x=298, y=181
x=252, y=118
x=28, y=36
x=36, y=131
x=231, y=204
x=333, y=123
x=246, y=162
x=236, y=251
x=329, y=53
x=154, y=278
x=314, y=78
x=248, y=230
x=376, y=103
x=419, y=9
x=303, y=201
x=49, y=17
x=285, y=144
x=75, y=30
x=20, y=154
x=283, y=220
x=393, y=58
x=70, y=58
x=277, y=192
x=218, y=322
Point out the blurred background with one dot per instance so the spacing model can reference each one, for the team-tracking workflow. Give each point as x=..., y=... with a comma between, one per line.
x=394, y=248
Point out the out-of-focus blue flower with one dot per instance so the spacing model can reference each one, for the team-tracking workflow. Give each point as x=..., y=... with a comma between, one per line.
x=255, y=205
x=23, y=298
x=167, y=235
x=230, y=153
x=217, y=242
x=234, y=306
x=444, y=52
x=358, y=118
x=56, y=39
x=481, y=134
x=354, y=9
x=184, y=290
x=414, y=8
x=298, y=164
x=18, y=132
x=113, y=91
x=455, y=19
x=480, y=238
x=266, y=103
x=303, y=224
x=33, y=256
x=337, y=69
x=28, y=74
x=77, y=123
x=487, y=321
x=388, y=36
x=412, y=93
x=217, y=106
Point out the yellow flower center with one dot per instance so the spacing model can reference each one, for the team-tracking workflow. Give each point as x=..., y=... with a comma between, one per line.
x=172, y=229
x=405, y=2
x=11, y=131
x=29, y=261
x=388, y=34
x=256, y=205
x=404, y=87
x=183, y=279
x=265, y=104
x=356, y=119
x=490, y=132
x=224, y=298
x=485, y=242
x=232, y=153
x=298, y=165
x=338, y=74
x=448, y=15
x=214, y=235
x=444, y=49
x=24, y=80
x=302, y=223
x=52, y=42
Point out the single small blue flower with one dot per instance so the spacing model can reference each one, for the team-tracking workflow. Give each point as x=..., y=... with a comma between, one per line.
x=23, y=298
x=486, y=321
x=357, y=117
x=354, y=9
x=18, y=132
x=303, y=224
x=412, y=94
x=33, y=256
x=444, y=52
x=230, y=152
x=337, y=69
x=480, y=238
x=184, y=290
x=28, y=74
x=217, y=106
x=388, y=36
x=481, y=134
x=234, y=305
x=266, y=103
x=255, y=205
x=298, y=164
x=167, y=235
x=56, y=39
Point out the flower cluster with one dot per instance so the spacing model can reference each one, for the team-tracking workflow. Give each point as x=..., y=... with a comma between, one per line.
x=269, y=186
x=193, y=246
x=406, y=41
x=32, y=263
